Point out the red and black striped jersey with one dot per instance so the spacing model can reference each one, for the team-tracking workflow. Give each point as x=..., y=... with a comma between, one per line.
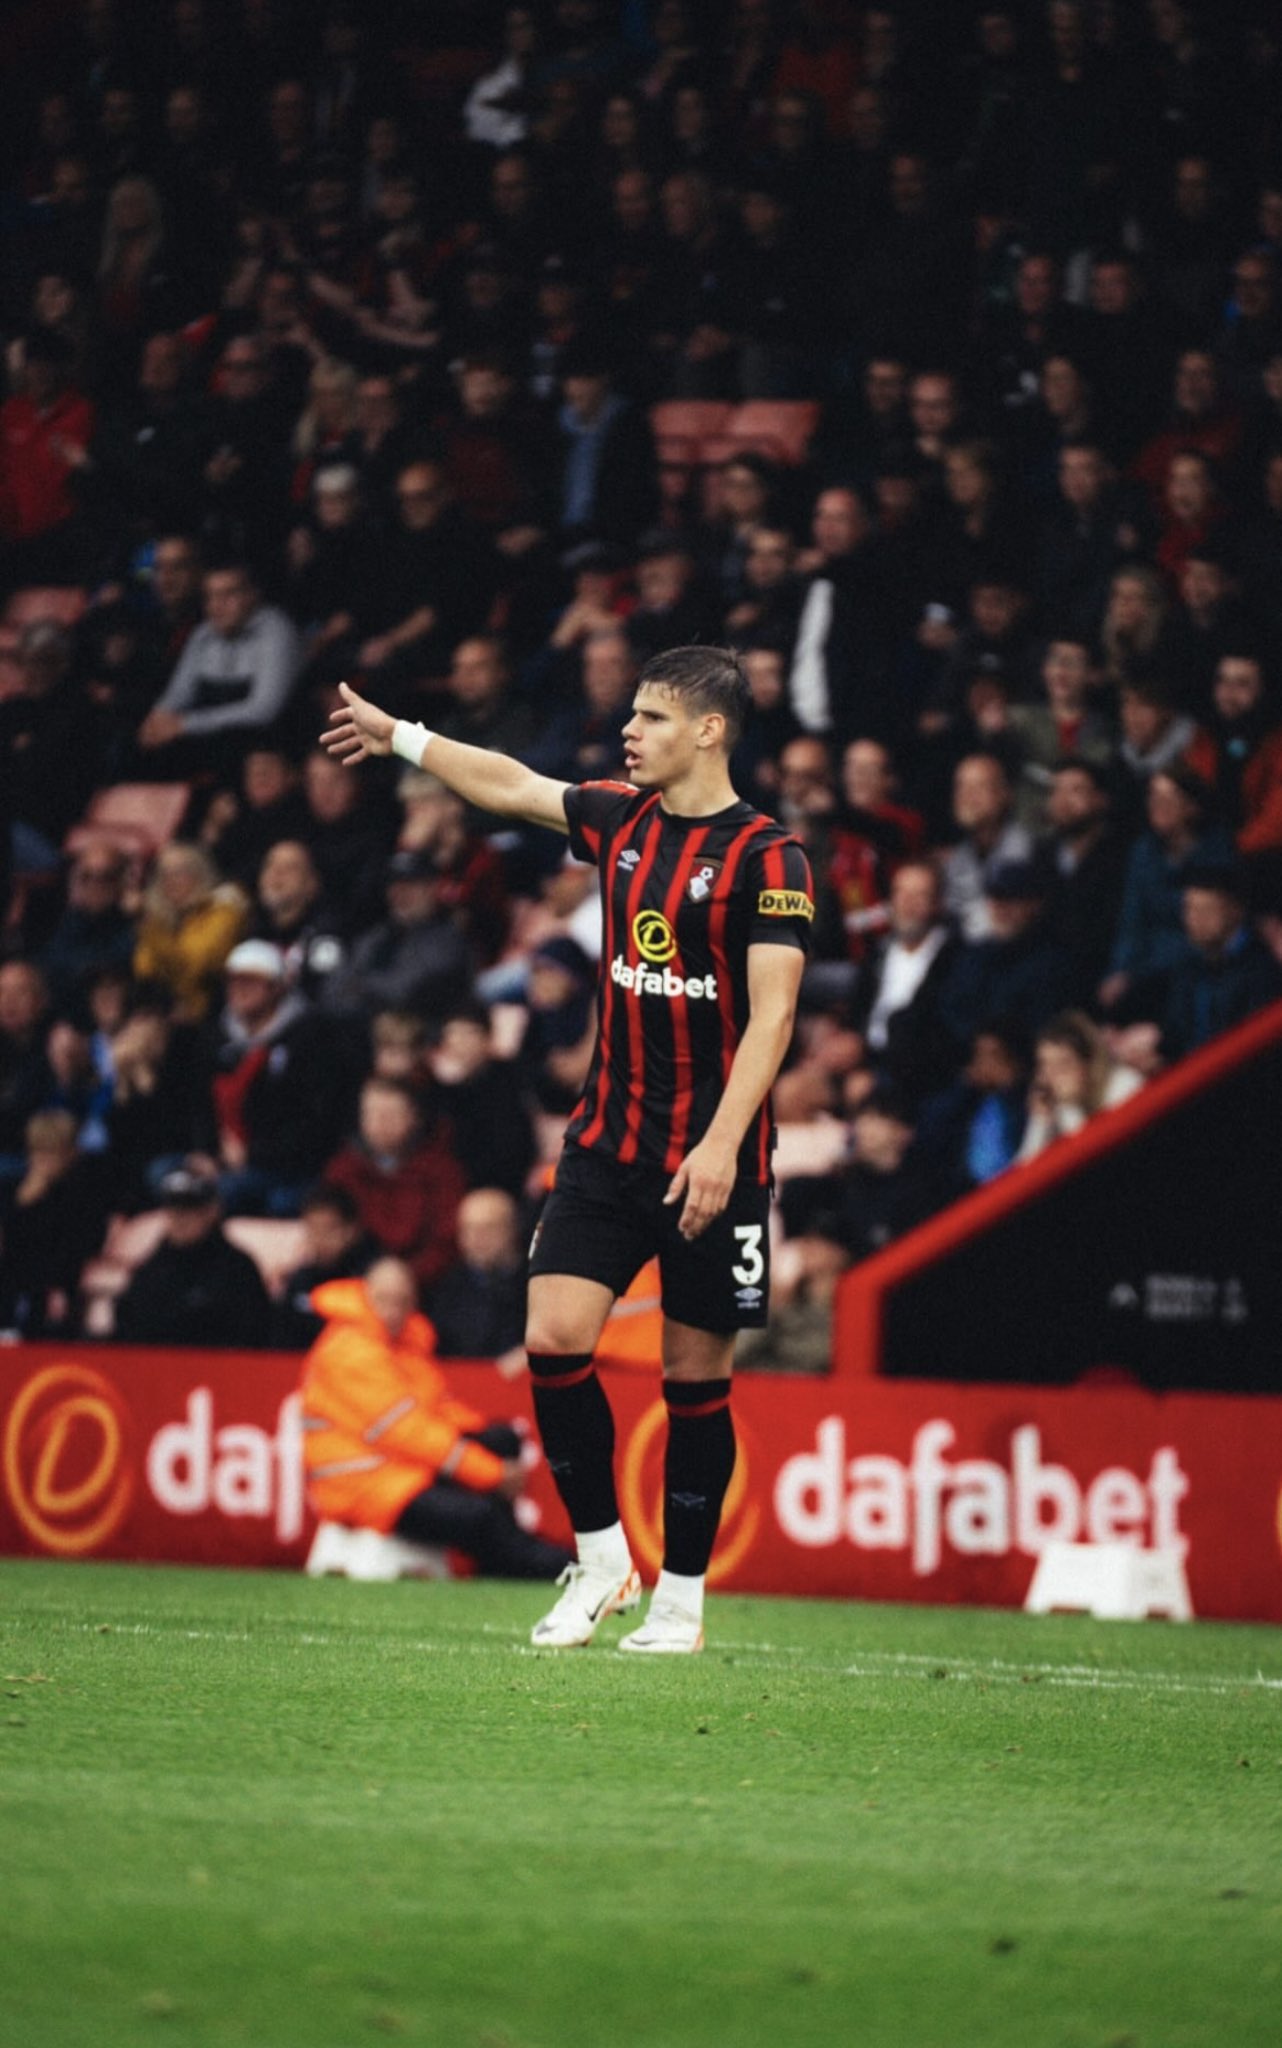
x=682, y=899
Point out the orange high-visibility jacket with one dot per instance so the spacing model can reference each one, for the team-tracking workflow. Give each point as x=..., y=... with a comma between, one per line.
x=379, y=1422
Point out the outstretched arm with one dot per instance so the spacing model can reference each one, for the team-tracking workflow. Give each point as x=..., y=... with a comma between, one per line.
x=493, y=782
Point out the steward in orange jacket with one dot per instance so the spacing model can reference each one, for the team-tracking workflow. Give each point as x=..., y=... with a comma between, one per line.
x=387, y=1446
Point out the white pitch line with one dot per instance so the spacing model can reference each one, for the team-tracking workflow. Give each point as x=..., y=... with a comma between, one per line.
x=872, y=1663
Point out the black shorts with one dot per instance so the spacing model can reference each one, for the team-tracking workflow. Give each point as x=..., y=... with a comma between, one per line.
x=603, y=1221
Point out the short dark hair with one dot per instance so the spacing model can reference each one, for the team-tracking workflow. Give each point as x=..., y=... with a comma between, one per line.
x=706, y=679
x=328, y=1195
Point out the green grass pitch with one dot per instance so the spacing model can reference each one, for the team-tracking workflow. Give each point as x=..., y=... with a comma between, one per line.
x=241, y=1808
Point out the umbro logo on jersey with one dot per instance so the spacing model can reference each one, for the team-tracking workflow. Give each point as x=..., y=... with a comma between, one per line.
x=629, y=858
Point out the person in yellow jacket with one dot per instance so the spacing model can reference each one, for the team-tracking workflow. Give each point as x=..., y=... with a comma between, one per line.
x=386, y=1445
x=190, y=922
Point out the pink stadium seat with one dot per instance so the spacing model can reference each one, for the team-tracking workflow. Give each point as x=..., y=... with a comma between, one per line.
x=63, y=602
x=688, y=419
x=778, y=428
x=276, y=1244
x=139, y=817
x=129, y=1240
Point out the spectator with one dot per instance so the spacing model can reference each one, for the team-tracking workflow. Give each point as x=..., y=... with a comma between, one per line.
x=196, y=1288
x=51, y=1221
x=333, y=560
x=160, y=1105
x=1074, y=1077
x=239, y=826
x=234, y=678
x=95, y=930
x=415, y=957
x=46, y=749
x=771, y=728
x=434, y=585
x=560, y=1028
x=437, y=1474
x=1064, y=723
x=337, y=1249
x=406, y=1181
x=833, y=682
x=671, y=610
x=482, y=1098
x=42, y=425
x=886, y=1189
x=973, y=1128
x=190, y=922
x=478, y=1306
x=608, y=480
x=1179, y=834
x=1223, y=971
x=284, y=1084
x=470, y=871
x=1134, y=634
x=1017, y=971
x=349, y=835
x=290, y=912
x=983, y=811
x=1087, y=858
x=496, y=112
x=897, y=1009
x=144, y=461
x=1239, y=755
x=1155, y=736
x=483, y=713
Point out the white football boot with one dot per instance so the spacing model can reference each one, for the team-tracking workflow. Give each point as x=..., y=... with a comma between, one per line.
x=668, y=1630
x=590, y=1594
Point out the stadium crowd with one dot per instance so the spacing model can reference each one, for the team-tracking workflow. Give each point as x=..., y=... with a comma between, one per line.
x=930, y=355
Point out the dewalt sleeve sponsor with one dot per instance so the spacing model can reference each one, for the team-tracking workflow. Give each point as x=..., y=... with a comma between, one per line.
x=785, y=903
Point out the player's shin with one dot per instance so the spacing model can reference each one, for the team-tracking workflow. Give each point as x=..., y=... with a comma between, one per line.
x=576, y=1425
x=697, y=1471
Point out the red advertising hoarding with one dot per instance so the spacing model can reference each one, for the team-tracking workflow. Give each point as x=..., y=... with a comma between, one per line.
x=845, y=1487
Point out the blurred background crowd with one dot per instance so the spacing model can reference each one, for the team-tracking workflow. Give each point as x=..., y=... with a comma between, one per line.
x=928, y=354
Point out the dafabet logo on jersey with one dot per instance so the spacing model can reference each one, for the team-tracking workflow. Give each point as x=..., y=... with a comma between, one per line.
x=651, y=975
x=785, y=903
x=653, y=937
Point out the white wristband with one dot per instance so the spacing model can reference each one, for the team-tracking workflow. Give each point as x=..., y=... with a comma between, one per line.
x=409, y=740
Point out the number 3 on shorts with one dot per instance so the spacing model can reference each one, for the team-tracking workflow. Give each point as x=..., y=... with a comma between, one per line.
x=752, y=1265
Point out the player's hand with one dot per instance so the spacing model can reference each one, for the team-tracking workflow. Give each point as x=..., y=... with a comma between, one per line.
x=706, y=1178
x=357, y=730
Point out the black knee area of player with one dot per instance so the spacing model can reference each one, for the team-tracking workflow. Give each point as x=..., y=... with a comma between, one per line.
x=576, y=1424
x=697, y=1471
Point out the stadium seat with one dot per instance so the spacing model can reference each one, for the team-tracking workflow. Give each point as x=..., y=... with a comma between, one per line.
x=129, y=1240
x=138, y=817
x=778, y=428
x=688, y=419
x=339, y=1552
x=810, y=1148
x=681, y=426
x=63, y=603
x=276, y=1244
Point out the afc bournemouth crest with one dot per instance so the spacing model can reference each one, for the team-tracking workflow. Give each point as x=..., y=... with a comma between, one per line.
x=703, y=881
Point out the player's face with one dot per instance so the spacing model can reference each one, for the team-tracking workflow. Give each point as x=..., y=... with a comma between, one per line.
x=660, y=739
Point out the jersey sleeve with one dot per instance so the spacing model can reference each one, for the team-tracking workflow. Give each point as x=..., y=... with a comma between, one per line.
x=591, y=810
x=781, y=907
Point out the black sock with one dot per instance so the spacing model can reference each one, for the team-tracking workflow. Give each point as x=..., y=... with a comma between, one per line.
x=696, y=1472
x=577, y=1428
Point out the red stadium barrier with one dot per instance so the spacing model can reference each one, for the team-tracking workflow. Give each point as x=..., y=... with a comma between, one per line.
x=848, y=1488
